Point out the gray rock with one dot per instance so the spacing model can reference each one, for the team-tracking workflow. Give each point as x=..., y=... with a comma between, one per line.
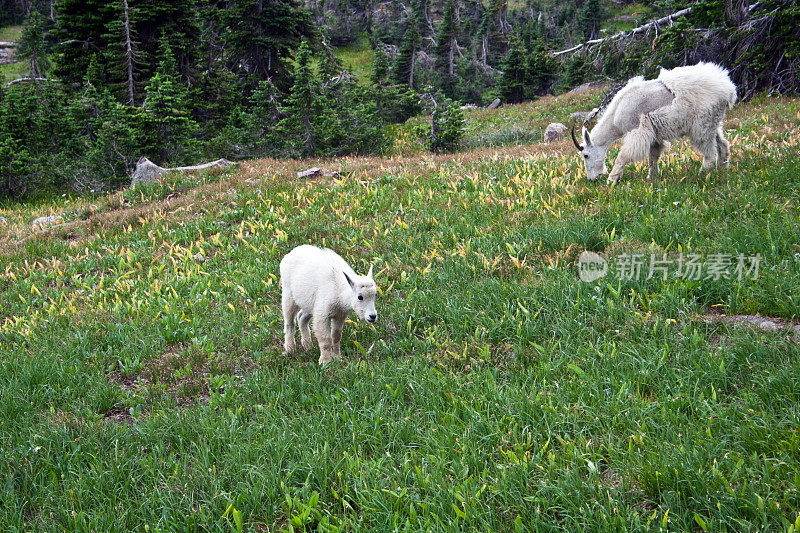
x=581, y=88
x=578, y=116
x=47, y=222
x=146, y=172
x=555, y=132
x=495, y=104
x=313, y=172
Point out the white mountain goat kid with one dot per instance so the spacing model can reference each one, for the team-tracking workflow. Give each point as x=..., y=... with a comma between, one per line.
x=685, y=101
x=319, y=284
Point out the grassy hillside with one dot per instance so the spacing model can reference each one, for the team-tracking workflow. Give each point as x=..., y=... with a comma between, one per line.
x=12, y=71
x=142, y=380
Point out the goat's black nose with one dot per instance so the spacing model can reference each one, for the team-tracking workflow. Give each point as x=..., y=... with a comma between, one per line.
x=372, y=318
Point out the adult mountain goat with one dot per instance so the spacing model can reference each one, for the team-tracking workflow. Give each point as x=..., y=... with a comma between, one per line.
x=318, y=284
x=685, y=101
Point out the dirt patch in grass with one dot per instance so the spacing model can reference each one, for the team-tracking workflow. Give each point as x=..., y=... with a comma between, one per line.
x=757, y=322
x=184, y=373
x=118, y=415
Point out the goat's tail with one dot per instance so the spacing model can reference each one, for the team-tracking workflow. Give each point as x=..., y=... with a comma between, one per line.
x=732, y=98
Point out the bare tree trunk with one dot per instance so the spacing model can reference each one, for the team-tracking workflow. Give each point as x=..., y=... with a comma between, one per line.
x=453, y=45
x=413, y=62
x=128, y=52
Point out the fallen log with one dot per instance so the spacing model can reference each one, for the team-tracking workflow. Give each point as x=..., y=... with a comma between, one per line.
x=644, y=27
x=35, y=80
x=634, y=31
x=147, y=171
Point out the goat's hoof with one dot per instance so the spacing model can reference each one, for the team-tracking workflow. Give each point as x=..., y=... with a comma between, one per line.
x=289, y=349
x=613, y=181
x=306, y=343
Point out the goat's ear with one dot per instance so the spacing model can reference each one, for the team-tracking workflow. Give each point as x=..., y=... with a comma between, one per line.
x=369, y=274
x=586, y=138
x=350, y=281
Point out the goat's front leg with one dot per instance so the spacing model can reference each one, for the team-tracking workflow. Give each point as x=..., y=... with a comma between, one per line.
x=616, y=171
x=635, y=147
x=337, y=324
x=322, y=330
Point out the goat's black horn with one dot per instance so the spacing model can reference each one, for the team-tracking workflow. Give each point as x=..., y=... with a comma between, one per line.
x=574, y=140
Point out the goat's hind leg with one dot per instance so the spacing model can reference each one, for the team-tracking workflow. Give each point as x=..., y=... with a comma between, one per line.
x=656, y=149
x=723, y=149
x=290, y=310
x=303, y=319
x=707, y=147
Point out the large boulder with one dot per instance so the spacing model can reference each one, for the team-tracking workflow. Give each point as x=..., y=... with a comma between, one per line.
x=146, y=172
x=555, y=132
x=495, y=104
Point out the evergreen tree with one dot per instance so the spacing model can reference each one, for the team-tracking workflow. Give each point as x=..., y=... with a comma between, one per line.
x=34, y=134
x=540, y=72
x=447, y=124
x=512, y=84
x=591, y=18
x=178, y=22
x=380, y=68
x=169, y=130
x=32, y=45
x=406, y=60
x=80, y=27
x=122, y=54
x=302, y=108
x=393, y=103
x=446, y=46
x=108, y=135
x=262, y=36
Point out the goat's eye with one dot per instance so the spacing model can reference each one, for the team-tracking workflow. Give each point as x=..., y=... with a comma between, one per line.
x=586, y=156
x=360, y=297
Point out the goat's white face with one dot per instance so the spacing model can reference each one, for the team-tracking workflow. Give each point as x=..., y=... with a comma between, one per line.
x=364, y=293
x=594, y=156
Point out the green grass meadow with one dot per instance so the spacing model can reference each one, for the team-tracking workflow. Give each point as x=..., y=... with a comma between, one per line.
x=143, y=385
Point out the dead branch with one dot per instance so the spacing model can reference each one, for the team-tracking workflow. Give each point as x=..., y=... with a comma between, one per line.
x=35, y=80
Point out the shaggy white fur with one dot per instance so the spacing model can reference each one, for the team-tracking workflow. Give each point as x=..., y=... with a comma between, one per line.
x=317, y=283
x=685, y=101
